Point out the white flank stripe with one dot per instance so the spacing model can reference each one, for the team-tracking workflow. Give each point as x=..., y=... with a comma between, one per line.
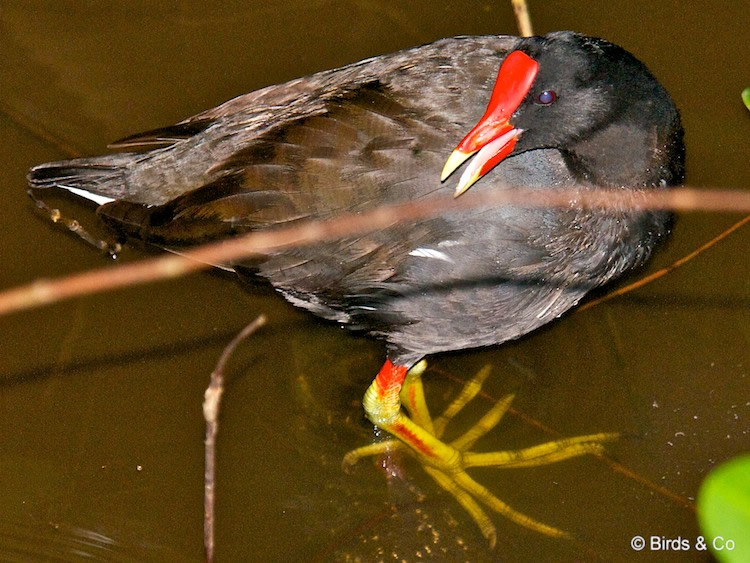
x=430, y=253
x=96, y=198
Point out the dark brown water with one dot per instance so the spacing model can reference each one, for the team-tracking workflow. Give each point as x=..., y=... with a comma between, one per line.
x=101, y=451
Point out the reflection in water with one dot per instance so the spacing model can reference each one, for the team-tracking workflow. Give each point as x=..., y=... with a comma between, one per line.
x=49, y=541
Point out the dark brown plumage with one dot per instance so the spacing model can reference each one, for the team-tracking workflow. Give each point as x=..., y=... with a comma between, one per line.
x=378, y=131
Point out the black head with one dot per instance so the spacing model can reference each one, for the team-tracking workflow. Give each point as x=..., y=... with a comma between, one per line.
x=590, y=99
x=604, y=109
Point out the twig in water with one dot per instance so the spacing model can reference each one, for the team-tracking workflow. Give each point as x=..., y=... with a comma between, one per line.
x=664, y=271
x=522, y=18
x=211, y=415
x=45, y=292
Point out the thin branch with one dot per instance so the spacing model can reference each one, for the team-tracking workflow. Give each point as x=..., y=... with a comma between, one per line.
x=45, y=292
x=664, y=271
x=522, y=18
x=211, y=405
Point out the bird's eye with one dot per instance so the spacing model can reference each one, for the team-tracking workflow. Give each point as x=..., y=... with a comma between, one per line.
x=546, y=98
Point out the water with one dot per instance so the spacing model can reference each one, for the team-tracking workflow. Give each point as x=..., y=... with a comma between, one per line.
x=101, y=446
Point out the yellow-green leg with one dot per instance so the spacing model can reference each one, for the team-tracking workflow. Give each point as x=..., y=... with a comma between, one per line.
x=419, y=434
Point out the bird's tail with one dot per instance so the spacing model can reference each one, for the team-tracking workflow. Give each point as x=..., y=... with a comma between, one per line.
x=100, y=179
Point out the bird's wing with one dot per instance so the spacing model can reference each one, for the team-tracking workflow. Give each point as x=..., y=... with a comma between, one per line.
x=361, y=149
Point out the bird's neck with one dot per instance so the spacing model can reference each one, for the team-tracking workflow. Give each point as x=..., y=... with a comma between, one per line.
x=631, y=152
x=618, y=155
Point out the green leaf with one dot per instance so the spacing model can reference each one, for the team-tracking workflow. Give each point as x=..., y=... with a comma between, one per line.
x=746, y=97
x=724, y=510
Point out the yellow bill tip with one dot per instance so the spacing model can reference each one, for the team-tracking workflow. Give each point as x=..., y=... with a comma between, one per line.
x=466, y=181
x=456, y=159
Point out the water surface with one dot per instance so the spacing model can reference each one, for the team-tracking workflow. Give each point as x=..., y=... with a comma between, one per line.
x=101, y=446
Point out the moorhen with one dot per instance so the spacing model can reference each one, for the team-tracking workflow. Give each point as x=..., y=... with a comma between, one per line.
x=564, y=110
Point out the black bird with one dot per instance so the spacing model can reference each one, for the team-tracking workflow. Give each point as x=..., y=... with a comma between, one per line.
x=564, y=110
